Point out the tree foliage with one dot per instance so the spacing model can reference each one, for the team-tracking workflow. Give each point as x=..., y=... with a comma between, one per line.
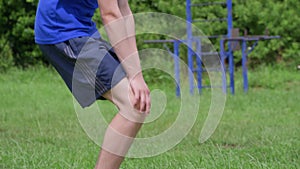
x=17, y=32
x=278, y=17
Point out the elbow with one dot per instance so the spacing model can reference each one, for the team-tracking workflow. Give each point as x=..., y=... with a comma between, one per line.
x=110, y=16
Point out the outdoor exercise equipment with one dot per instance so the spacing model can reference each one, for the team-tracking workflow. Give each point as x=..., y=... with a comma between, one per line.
x=228, y=44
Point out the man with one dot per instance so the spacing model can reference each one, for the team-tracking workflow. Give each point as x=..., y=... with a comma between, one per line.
x=66, y=34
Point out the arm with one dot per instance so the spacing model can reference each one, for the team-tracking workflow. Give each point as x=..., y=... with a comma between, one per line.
x=119, y=25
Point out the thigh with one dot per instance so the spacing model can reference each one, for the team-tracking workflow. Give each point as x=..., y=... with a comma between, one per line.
x=88, y=66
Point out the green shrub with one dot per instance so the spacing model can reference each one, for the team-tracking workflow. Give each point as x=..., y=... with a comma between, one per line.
x=6, y=56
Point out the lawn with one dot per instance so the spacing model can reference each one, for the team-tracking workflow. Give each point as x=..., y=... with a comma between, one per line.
x=39, y=127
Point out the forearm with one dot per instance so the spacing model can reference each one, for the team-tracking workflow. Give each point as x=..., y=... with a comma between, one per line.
x=129, y=22
x=119, y=25
x=125, y=48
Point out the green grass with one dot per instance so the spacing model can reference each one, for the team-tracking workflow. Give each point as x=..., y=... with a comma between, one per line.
x=39, y=127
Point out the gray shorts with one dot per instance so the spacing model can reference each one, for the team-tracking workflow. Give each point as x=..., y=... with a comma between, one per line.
x=88, y=66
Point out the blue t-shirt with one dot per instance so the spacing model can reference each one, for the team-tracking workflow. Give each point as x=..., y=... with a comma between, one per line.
x=59, y=20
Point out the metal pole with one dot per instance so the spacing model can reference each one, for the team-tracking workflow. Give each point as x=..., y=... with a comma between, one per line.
x=223, y=66
x=199, y=65
x=177, y=67
x=190, y=45
x=230, y=52
x=229, y=18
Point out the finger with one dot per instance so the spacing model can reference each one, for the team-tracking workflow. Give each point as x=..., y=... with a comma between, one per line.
x=148, y=103
x=142, y=102
x=135, y=97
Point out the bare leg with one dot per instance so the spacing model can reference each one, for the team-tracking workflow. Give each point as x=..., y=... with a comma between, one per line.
x=108, y=160
x=122, y=129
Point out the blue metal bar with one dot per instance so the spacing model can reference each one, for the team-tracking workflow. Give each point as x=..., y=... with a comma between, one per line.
x=271, y=37
x=223, y=56
x=177, y=67
x=251, y=38
x=188, y=20
x=189, y=43
x=229, y=18
x=244, y=65
x=247, y=38
x=229, y=30
x=231, y=71
x=212, y=36
x=245, y=53
x=191, y=68
x=229, y=21
x=199, y=64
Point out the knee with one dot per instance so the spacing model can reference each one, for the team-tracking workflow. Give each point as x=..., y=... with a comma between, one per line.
x=122, y=96
x=127, y=110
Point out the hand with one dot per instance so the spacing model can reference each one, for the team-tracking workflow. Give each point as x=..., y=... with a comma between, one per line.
x=142, y=101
